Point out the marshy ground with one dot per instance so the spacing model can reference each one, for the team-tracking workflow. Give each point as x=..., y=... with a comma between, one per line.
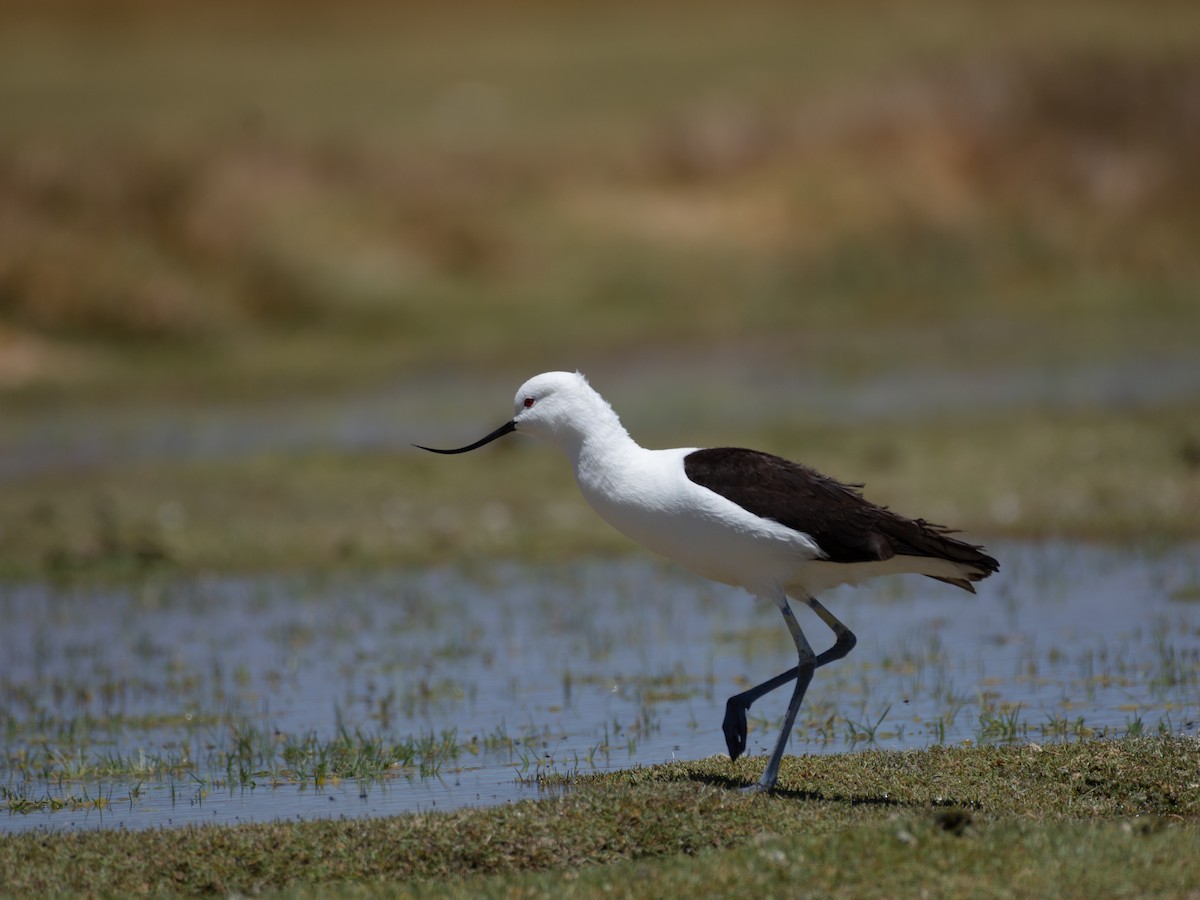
x=945, y=249
x=249, y=699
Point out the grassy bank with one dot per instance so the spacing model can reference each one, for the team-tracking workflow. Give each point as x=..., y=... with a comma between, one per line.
x=1099, y=819
x=1029, y=474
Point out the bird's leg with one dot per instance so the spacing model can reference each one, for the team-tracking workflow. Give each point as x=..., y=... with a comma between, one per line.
x=737, y=706
x=845, y=639
x=804, y=674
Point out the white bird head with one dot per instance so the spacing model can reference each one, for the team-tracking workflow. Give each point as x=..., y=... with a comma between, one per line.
x=559, y=407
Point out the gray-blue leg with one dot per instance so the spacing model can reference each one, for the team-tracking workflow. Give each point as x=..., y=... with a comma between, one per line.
x=804, y=673
x=737, y=706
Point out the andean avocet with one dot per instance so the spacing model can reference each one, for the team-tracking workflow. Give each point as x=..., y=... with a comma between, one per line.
x=740, y=517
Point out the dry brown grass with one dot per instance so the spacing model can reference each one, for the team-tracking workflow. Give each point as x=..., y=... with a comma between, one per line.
x=380, y=188
x=1009, y=166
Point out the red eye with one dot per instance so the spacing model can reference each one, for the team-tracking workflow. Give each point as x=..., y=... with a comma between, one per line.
x=529, y=401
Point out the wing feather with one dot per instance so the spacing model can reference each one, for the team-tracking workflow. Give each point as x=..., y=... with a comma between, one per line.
x=846, y=526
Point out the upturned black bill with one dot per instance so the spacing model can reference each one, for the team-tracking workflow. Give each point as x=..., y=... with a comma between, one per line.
x=506, y=428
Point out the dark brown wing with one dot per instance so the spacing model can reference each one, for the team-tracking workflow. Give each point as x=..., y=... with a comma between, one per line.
x=847, y=527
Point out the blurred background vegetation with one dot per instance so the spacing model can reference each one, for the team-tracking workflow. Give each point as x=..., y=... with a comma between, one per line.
x=724, y=213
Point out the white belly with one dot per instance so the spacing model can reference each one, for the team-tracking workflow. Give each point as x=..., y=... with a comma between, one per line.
x=655, y=504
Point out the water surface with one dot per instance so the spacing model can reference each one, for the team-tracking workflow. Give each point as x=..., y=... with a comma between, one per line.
x=510, y=670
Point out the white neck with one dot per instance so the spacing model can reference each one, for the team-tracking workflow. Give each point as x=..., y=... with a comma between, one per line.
x=595, y=439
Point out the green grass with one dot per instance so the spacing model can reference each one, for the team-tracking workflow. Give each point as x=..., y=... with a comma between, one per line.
x=1027, y=474
x=1107, y=818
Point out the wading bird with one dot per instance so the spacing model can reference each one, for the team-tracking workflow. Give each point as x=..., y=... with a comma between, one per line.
x=739, y=517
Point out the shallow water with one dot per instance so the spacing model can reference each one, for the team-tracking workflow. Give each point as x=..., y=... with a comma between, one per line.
x=587, y=667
